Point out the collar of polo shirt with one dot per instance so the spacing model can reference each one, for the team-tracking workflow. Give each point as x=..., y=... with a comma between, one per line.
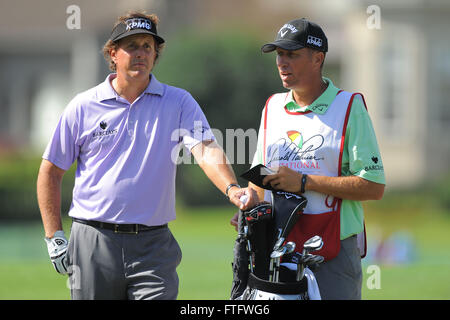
x=320, y=105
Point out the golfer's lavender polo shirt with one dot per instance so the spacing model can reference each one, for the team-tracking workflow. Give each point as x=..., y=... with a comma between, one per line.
x=125, y=171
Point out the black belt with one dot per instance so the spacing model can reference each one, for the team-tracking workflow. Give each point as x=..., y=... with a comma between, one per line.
x=120, y=228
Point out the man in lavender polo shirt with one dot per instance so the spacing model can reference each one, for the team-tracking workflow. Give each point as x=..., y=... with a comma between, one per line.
x=124, y=134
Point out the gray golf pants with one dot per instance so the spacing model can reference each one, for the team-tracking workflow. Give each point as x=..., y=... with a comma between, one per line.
x=341, y=277
x=108, y=265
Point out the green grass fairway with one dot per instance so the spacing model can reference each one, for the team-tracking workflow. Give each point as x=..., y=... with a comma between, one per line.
x=412, y=282
x=32, y=280
x=207, y=241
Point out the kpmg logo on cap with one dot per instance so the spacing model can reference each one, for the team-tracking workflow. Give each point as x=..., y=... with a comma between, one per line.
x=314, y=41
x=138, y=23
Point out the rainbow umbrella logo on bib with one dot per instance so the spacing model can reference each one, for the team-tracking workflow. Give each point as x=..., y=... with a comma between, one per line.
x=296, y=138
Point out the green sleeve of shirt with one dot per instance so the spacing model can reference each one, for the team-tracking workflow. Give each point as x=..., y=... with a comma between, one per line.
x=361, y=158
x=361, y=155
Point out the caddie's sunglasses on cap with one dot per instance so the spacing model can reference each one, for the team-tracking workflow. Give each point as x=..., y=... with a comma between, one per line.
x=135, y=26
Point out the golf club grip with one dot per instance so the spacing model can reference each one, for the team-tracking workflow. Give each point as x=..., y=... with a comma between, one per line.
x=241, y=223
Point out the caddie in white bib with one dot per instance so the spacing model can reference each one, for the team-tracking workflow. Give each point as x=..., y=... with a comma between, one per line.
x=311, y=144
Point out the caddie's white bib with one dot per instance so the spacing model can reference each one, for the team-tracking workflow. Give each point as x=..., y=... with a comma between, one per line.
x=306, y=142
x=312, y=144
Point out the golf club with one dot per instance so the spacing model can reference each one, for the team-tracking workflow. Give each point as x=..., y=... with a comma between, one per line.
x=288, y=248
x=249, y=248
x=313, y=244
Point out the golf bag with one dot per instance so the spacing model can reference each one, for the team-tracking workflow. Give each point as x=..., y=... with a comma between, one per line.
x=258, y=273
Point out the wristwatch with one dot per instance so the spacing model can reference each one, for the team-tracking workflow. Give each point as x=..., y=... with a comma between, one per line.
x=302, y=188
x=229, y=187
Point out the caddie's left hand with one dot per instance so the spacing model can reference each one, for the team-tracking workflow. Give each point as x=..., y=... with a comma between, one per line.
x=57, y=250
x=243, y=198
x=284, y=179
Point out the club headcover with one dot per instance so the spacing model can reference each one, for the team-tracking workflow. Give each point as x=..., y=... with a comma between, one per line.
x=286, y=210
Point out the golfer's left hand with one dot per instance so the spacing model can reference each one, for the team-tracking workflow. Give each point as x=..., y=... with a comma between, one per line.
x=251, y=197
x=57, y=250
x=285, y=179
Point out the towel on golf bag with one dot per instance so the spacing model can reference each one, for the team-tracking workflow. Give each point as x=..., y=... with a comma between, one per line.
x=313, y=288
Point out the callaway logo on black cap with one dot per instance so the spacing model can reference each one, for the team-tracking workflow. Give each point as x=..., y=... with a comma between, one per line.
x=134, y=26
x=297, y=34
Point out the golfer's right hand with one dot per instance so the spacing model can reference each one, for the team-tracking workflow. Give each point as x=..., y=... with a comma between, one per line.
x=237, y=195
x=57, y=249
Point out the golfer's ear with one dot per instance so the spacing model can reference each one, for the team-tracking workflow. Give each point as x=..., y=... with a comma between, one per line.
x=112, y=54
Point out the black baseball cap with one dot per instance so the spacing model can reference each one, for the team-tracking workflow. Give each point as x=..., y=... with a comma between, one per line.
x=297, y=34
x=134, y=26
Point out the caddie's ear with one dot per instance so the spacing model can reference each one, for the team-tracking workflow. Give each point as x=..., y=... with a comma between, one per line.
x=318, y=58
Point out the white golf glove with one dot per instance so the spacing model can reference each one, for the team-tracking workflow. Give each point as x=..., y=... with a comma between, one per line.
x=57, y=249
